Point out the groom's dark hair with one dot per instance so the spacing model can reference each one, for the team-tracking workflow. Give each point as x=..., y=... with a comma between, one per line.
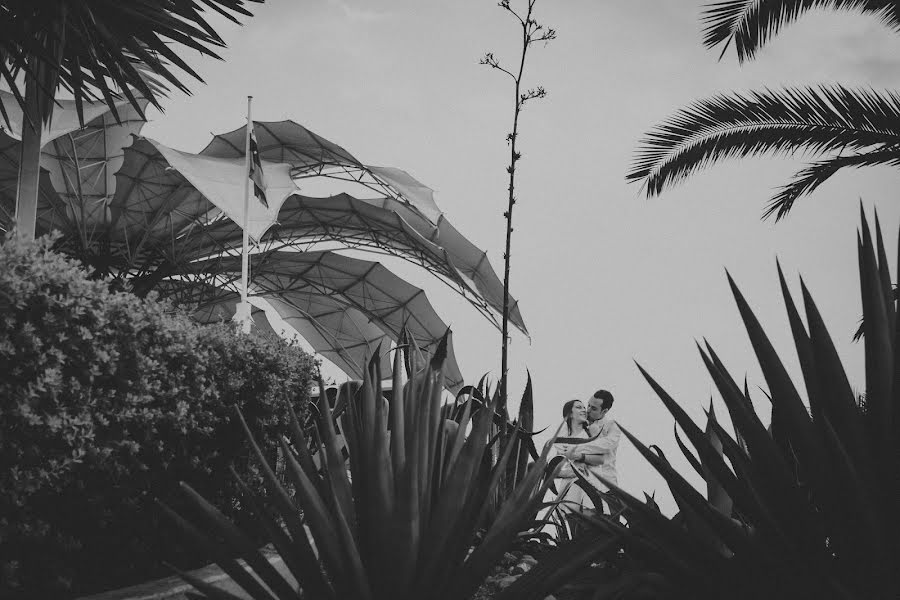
x=606, y=399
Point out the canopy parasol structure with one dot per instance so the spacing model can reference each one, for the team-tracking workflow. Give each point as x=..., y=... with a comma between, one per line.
x=314, y=156
x=344, y=307
x=78, y=166
x=380, y=225
x=133, y=208
x=51, y=209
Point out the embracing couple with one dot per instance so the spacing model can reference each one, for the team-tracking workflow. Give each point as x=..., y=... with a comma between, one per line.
x=589, y=447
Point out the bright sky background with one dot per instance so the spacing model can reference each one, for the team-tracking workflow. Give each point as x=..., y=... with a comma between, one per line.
x=604, y=277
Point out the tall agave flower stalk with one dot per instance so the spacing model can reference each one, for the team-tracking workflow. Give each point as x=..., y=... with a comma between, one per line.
x=804, y=508
x=401, y=525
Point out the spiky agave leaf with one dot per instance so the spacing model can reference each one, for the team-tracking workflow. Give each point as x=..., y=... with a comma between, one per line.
x=523, y=440
x=815, y=120
x=567, y=560
x=750, y=24
x=715, y=492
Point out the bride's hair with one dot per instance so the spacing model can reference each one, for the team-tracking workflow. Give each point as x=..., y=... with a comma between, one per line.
x=567, y=414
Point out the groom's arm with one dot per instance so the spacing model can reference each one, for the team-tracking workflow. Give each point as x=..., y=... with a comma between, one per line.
x=594, y=452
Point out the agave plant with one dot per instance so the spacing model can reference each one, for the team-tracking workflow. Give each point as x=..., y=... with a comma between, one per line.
x=806, y=508
x=516, y=433
x=401, y=525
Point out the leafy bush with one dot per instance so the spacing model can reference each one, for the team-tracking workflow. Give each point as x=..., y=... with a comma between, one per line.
x=806, y=508
x=402, y=525
x=107, y=400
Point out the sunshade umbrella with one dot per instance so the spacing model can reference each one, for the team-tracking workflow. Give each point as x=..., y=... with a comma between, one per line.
x=382, y=224
x=314, y=156
x=285, y=142
x=344, y=307
x=167, y=210
x=51, y=209
x=80, y=163
x=402, y=193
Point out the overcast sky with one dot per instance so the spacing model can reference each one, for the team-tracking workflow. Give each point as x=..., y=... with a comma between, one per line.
x=604, y=277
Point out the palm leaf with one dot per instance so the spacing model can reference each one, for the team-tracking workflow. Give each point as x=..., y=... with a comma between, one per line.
x=815, y=120
x=812, y=176
x=749, y=24
x=90, y=48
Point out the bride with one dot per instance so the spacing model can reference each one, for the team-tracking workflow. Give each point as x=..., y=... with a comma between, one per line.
x=571, y=497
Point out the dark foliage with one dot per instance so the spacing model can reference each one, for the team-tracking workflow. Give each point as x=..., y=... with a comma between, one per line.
x=107, y=400
x=93, y=48
x=750, y=24
x=840, y=127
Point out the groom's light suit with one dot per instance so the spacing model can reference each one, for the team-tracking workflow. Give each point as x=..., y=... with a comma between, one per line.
x=600, y=454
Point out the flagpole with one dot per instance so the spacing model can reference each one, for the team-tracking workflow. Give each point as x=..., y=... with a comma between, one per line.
x=245, y=247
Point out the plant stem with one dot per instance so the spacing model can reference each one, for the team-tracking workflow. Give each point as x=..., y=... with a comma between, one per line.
x=513, y=158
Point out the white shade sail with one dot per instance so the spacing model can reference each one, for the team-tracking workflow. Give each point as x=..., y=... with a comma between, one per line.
x=64, y=120
x=283, y=142
x=382, y=224
x=346, y=308
x=224, y=181
x=80, y=165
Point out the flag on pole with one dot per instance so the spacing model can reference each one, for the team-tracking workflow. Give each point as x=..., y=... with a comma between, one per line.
x=256, y=172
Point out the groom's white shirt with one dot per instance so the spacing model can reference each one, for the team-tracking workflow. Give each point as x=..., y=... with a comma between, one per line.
x=604, y=448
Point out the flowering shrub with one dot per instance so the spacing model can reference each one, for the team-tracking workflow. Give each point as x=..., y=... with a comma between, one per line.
x=107, y=401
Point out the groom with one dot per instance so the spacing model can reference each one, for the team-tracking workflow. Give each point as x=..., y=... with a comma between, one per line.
x=599, y=454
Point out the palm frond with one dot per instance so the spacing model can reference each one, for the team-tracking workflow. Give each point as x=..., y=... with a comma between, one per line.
x=815, y=174
x=815, y=120
x=750, y=24
x=94, y=49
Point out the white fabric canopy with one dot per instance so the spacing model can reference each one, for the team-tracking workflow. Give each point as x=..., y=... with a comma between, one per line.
x=414, y=192
x=385, y=224
x=346, y=308
x=65, y=116
x=283, y=142
x=223, y=181
x=79, y=163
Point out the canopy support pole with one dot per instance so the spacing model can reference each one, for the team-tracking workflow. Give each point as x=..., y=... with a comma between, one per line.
x=243, y=312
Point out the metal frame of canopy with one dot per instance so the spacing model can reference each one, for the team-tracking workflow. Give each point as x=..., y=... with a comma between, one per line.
x=318, y=157
x=50, y=202
x=79, y=165
x=219, y=304
x=359, y=175
x=345, y=292
x=399, y=230
x=309, y=268
x=306, y=223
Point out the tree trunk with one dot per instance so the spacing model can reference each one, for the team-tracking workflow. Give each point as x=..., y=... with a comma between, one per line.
x=29, y=163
